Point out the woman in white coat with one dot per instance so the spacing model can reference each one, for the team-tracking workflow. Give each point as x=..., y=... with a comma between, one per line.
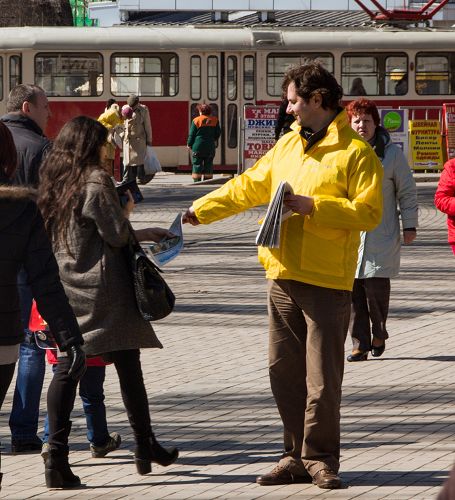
x=379, y=251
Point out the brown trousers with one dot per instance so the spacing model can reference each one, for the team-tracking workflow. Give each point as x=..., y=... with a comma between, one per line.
x=308, y=327
x=370, y=304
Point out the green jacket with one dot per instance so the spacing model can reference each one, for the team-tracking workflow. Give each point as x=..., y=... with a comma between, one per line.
x=204, y=132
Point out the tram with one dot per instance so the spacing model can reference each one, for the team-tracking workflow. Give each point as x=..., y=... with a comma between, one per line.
x=173, y=68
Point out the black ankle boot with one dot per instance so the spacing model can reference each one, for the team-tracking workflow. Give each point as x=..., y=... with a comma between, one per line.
x=57, y=470
x=149, y=451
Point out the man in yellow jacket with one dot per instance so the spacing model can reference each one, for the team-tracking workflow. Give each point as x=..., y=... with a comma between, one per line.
x=337, y=184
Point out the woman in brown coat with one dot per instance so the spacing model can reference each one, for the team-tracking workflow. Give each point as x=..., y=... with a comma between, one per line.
x=89, y=229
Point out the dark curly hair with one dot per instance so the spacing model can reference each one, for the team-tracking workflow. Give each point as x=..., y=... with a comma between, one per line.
x=74, y=154
x=312, y=78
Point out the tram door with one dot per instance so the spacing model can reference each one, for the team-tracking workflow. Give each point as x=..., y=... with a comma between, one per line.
x=10, y=76
x=226, y=81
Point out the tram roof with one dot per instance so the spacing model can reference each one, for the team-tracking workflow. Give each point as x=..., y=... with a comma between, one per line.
x=329, y=19
x=171, y=38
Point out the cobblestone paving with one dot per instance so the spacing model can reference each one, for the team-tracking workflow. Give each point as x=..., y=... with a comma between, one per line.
x=209, y=392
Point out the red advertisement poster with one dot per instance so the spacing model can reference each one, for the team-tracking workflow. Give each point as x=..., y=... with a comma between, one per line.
x=259, y=132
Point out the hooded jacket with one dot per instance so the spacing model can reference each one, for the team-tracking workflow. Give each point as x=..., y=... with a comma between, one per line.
x=379, y=250
x=24, y=242
x=444, y=199
x=31, y=145
x=344, y=177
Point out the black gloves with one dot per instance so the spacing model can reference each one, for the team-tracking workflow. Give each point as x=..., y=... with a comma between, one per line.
x=77, y=362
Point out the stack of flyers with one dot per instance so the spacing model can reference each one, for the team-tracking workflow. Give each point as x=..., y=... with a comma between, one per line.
x=269, y=234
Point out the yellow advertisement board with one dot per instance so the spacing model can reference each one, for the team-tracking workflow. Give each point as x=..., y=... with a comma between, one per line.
x=425, y=144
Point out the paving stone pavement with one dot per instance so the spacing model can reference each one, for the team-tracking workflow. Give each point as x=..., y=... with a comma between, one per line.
x=209, y=391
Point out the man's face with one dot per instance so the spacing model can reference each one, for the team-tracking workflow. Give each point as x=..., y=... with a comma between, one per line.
x=364, y=125
x=39, y=111
x=302, y=110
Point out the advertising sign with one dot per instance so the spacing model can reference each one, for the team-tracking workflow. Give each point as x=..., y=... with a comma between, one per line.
x=426, y=144
x=449, y=125
x=395, y=121
x=259, y=132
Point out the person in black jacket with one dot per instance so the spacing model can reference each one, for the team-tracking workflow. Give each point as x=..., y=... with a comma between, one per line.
x=284, y=120
x=24, y=242
x=27, y=117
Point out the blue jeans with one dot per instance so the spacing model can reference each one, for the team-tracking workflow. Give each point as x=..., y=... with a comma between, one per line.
x=92, y=394
x=24, y=416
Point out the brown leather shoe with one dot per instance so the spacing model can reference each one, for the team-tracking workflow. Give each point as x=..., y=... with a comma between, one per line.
x=282, y=475
x=327, y=479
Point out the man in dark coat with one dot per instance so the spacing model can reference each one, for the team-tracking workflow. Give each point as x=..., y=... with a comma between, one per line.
x=27, y=116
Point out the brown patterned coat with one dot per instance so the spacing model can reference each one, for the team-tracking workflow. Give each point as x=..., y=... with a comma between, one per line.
x=97, y=279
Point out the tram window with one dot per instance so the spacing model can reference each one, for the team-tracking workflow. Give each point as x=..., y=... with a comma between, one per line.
x=434, y=73
x=396, y=75
x=1, y=78
x=379, y=73
x=364, y=67
x=232, y=78
x=195, y=78
x=232, y=125
x=69, y=74
x=15, y=71
x=277, y=65
x=212, y=78
x=248, y=77
x=154, y=75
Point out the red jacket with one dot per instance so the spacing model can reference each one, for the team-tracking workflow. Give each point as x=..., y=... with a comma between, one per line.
x=444, y=199
x=37, y=323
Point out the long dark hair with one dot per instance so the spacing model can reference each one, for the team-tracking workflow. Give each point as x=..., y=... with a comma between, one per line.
x=74, y=154
x=8, y=153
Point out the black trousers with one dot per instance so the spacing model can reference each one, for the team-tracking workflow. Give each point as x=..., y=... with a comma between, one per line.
x=62, y=392
x=369, y=310
x=6, y=375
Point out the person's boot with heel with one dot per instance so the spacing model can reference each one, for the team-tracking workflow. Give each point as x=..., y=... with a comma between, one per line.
x=148, y=451
x=57, y=470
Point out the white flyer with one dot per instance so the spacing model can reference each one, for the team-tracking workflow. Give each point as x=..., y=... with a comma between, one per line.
x=166, y=250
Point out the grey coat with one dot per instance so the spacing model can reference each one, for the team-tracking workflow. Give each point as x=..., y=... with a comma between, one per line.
x=379, y=251
x=97, y=280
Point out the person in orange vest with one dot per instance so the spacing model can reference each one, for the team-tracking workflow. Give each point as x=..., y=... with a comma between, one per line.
x=204, y=133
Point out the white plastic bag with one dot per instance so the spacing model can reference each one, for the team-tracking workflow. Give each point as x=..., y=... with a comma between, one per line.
x=151, y=162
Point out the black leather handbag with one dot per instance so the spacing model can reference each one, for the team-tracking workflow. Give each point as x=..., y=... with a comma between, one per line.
x=154, y=298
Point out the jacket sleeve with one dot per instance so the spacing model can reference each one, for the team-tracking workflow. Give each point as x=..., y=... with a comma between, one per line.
x=147, y=125
x=192, y=135
x=34, y=162
x=44, y=280
x=361, y=209
x=102, y=205
x=444, y=199
x=248, y=190
x=406, y=190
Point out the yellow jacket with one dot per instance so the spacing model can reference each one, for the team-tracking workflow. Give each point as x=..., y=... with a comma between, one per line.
x=343, y=175
x=111, y=117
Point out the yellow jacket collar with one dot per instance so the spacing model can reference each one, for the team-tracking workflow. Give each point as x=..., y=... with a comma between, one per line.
x=333, y=130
